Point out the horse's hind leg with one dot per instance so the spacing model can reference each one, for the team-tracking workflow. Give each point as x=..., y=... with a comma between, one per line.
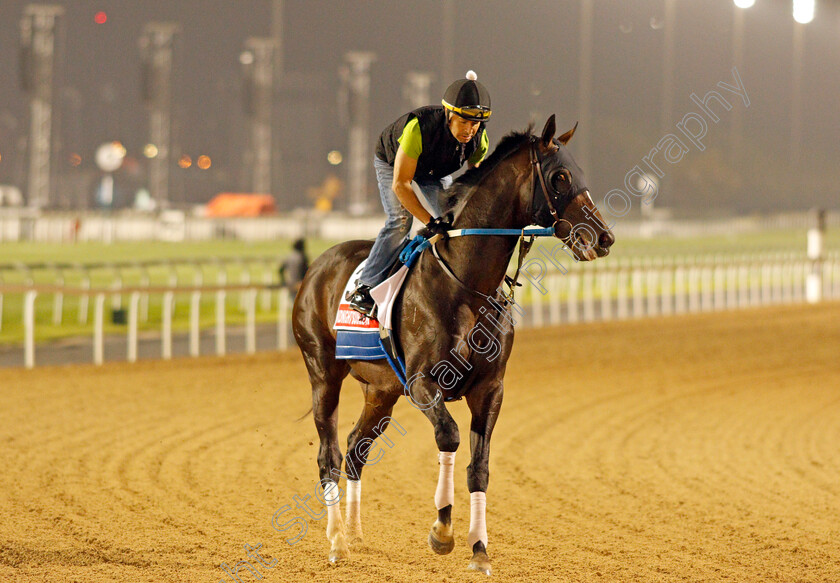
x=326, y=378
x=373, y=421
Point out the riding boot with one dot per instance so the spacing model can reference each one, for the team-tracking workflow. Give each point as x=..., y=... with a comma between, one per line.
x=361, y=301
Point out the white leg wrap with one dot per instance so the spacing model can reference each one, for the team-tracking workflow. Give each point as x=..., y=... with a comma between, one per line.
x=478, y=527
x=354, y=499
x=354, y=491
x=331, y=497
x=445, y=493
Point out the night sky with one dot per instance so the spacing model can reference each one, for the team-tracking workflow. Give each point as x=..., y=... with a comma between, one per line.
x=526, y=53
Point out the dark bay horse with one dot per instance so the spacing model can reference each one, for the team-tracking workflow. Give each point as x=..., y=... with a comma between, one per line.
x=453, y=328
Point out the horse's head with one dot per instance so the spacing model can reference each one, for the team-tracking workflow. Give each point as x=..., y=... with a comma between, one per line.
x=561, y=197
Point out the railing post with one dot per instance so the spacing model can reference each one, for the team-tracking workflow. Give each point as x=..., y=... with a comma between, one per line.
x=667, y=294
x=554, y=299
x=244, y=279
x=766, y=284
x=29, y=329
x=706, y=291
x=605, y=280
x=251, y=321
x=220, y=323
x=694, y=288
x=84, y=300
x=679, y=290
x=536, y=306
x=638, y=293
x=268, y=277
x=116, y=299
x=195, y=314
x=743, y=285
x=133, y=308
x=572, y=300
x=145, y=281
x=652, y=291
x=98, y=323
x=166, y=341
x=58, y=302
x=623, y=307
x=816, y=257
x=588, y=296
x=719, y=285
x=173, y=282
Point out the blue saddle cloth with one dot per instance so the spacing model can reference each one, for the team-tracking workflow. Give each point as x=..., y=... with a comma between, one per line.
x=362, y=345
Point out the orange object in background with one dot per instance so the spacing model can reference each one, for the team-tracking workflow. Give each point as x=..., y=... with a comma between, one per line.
x=234, y=204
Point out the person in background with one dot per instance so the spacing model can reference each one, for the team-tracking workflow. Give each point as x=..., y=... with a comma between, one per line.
x=294, y=267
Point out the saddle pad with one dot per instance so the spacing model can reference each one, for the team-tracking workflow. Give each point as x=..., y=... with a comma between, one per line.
x=357, y=336
x=358, y=345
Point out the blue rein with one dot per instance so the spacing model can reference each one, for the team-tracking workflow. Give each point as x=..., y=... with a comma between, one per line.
x=419, y=244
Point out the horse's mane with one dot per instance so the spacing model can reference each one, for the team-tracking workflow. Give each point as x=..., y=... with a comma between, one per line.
x=462, y=187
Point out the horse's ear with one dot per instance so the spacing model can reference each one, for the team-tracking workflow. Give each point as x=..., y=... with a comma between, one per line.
x=548, y=131
x=564, y=139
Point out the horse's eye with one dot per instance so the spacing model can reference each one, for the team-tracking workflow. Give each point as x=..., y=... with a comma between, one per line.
x=561, y=180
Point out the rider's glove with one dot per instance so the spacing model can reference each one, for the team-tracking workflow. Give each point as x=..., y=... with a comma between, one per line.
x=439, y=226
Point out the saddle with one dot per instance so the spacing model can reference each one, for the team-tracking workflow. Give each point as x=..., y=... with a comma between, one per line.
x=360, y=337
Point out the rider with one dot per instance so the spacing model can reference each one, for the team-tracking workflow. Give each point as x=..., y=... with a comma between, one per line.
x=415, y=156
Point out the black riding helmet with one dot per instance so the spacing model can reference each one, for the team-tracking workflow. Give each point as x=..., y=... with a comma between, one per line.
x=468, y=98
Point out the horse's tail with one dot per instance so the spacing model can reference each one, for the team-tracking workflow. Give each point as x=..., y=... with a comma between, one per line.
x=304, y=416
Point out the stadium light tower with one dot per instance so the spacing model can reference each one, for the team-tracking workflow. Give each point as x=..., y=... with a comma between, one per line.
x=156, y=44
x=37, y=59
x=257, y=69
x=803, y=13
x=735, y=128
x=358, y=78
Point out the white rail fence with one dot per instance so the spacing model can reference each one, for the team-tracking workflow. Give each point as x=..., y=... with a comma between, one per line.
x=652, y=288
x=588, y=292
x=257, y=270
x=168, y=294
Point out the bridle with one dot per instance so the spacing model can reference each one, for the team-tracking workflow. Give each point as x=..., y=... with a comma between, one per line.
x=539, y=178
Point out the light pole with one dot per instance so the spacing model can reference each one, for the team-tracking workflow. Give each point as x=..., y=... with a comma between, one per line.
x=358, y=78
x=257, y=70
x=735, y=130
x=156, y=47
x=667, y=80
x=585, y=95
x=803, y=13
x=37, y=43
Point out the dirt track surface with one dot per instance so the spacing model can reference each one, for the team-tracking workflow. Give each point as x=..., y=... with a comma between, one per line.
x=699, y=448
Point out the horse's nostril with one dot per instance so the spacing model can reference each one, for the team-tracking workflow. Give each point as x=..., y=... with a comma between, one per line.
x=606, y=240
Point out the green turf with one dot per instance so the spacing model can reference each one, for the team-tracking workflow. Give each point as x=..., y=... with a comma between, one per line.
x=222, y=255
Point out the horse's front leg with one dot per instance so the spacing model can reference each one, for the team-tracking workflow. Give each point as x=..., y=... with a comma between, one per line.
x=426, y=395
x=485, y=403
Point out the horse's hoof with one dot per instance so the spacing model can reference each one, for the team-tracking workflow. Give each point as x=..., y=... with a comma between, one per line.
x=339, y=551
x=442, y=538
x=480, y=561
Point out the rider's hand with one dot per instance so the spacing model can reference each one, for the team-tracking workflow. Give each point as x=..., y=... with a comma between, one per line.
x=439, y=226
